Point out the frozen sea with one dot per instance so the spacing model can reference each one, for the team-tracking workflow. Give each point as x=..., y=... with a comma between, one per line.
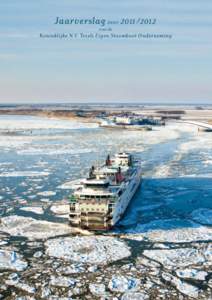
x=168, y=220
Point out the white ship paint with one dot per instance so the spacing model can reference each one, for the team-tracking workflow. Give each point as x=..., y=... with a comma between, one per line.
x=125, y=199
x=102, y=199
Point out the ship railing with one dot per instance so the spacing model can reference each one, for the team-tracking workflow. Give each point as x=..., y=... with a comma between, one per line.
x=73, y=199
x=96, y=199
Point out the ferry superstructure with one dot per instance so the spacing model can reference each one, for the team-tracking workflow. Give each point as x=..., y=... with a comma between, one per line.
x=101, y=199
x=113, y=125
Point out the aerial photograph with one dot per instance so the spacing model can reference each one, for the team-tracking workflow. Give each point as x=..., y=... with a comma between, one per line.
x=105, y=150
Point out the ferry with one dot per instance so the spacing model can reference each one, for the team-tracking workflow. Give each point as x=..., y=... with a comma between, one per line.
x=100, y=200
x=113, y=125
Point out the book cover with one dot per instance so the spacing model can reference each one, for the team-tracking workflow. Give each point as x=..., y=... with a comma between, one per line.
x=105, y=149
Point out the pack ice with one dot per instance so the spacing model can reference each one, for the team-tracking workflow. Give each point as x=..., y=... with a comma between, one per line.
x=11, y=260
x=32, y=228
x=169, y=232
x=61, y=210
x=98, y=250
x=34, y=209
x=176, y=258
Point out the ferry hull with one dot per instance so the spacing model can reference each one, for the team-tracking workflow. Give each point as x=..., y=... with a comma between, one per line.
x=125, y=199
x=94, y=220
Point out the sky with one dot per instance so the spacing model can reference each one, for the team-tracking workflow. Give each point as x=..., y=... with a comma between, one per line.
x=49, y=70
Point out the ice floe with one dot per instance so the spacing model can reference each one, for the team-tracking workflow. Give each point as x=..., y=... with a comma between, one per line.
x=31, y=228
x=38, y=254
x=71, y=269
x=175, y=258
x=14, y=142
x=120, y=283
x=18, y=122
x=24, y=174
x=49, y=150
x=45, y=292
x=46, y=200
x=91, y=250
x=134, y=296
x=47, y=193
x=192, y=274
x=97, y=289
x=62, y=281
x=168, y=231
x=25, y=287
x=2, y=243
x=59, y=298
x=34, y=209
x=61, y=210
x=202, y=141
x=11, y=260
x=203, y=216
x=163, y=171
x=13, y=278
x=70, y=184
x=183, y=287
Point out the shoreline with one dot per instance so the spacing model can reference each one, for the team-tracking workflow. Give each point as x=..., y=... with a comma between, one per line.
x=56, y=115
x=89, y=115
